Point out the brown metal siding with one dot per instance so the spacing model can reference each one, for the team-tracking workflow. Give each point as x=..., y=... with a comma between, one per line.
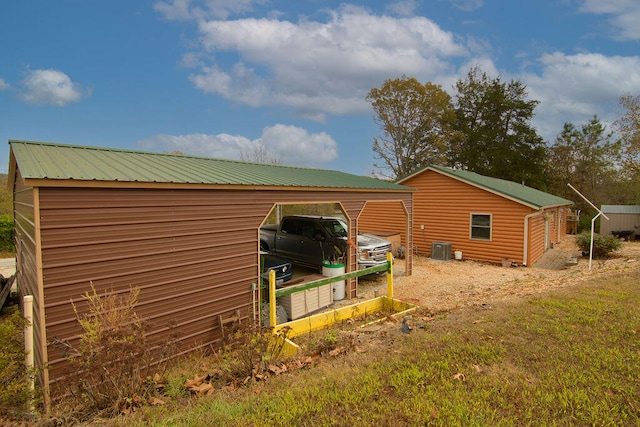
x=444, y=206
x=26, y=263
x=388, y=217
x=192, y=253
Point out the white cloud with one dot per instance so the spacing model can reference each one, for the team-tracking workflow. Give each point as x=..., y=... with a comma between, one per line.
x=50, y=87
x=184, y=10
x=293, y=145
x=403, y=7
x=4, y=85
x=625, y=15
x=322, y=67
x=575, y=87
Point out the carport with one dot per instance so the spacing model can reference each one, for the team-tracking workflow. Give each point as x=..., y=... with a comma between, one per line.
x=182, y=229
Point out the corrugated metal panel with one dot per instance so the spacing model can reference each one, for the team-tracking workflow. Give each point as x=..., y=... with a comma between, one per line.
x=621, y=209
x=39, y=160
x=389, y=217
x=443, y=205
x=620, y=222
x=26, y=264
x=518, y=192
x=192, y=253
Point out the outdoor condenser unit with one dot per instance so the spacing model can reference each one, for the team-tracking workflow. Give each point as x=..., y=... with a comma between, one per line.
x=441, y=251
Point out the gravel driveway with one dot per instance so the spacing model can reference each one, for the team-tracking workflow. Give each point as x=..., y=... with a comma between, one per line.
x=444, y=285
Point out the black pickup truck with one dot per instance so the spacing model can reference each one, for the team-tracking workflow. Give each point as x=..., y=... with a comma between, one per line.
x=309, y=240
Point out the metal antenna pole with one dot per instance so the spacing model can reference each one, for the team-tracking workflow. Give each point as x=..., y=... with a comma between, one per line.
x=593, y=222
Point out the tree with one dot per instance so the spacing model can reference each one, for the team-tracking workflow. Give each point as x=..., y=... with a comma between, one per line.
x=495, y=134
x=588, y=159
x=628, y=127
x=6, y=196
x=415, y=120
x=259, y=154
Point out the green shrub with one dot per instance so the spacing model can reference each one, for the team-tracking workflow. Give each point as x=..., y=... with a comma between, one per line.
x=7, y=242
x=14, y=387
x=603, y=245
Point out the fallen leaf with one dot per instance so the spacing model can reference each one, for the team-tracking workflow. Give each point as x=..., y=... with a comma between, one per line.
x=156, y=401
x=336, y=351
x=195, y=382
x=275, y=369
x=205, y=389
x=459, y=376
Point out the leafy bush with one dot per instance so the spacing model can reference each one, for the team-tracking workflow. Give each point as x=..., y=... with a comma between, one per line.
x=14, y=387
x=7, y=242
x=603, y=245
x=251, y=349
x=115, y=370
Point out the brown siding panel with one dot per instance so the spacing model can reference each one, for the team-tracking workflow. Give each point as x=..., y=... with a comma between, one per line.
x=384, y=217
x=192, y=253
x=26, y=262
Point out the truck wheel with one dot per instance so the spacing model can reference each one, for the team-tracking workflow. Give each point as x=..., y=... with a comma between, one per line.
x=264, y=247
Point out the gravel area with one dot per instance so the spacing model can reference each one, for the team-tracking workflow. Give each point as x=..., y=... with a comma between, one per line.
x=445, y=285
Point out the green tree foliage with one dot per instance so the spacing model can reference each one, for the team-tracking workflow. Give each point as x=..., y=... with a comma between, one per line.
x=493, y=120
x=628, y=127
x=7, y=242
x=586, y=158
x=416, y=122
x=6, y=197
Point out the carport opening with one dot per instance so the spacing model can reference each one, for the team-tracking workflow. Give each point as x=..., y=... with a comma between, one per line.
x=300, y=259
x=315, y=240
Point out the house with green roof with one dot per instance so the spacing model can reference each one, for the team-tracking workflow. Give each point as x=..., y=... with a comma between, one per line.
x=461, y=214
x=183, y=230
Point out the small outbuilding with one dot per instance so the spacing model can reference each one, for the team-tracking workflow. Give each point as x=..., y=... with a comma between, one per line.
x=183, y=230
x=624, y=221
x=464, y=214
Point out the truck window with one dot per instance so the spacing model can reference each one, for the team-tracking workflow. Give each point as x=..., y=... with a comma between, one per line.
x=290, y=226
x=336, y=228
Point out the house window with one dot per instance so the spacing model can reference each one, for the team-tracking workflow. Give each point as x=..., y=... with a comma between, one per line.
x=481, y=226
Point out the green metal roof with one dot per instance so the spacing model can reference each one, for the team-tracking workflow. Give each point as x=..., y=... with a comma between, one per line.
x=512, y=190
x=39, y=160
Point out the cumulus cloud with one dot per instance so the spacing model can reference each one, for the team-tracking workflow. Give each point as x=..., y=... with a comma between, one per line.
x=575, y=87
x=50, y=87
x=4, y=85
x=625, y=15
x=403, y=7
x=321, y=67
x=293, y=145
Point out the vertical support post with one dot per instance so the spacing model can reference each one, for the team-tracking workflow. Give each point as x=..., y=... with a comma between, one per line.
x=28, y=338
x=272, y=299
x=390, y=275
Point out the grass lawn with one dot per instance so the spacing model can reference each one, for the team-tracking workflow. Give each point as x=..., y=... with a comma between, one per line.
x=571, y=357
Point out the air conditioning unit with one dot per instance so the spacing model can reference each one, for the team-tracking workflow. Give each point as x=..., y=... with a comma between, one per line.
x=441, y=251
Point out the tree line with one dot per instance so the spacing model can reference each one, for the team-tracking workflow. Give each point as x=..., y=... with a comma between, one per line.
x=485, y=127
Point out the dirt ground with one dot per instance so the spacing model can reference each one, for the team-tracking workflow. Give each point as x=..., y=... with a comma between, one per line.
x=445, y=285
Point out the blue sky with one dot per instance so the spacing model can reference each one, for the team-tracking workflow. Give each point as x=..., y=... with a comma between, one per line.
x=217, y=77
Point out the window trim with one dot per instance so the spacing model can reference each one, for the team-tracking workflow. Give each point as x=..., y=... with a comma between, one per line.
x=471, y=226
